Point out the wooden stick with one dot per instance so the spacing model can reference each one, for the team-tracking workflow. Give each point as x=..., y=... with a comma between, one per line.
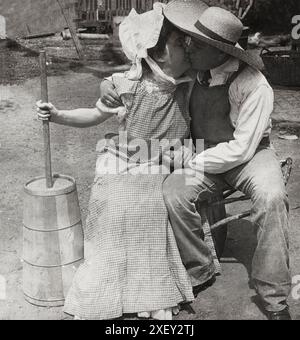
x=230, y=219
x=46, y=128
x=41, y=35
x=72, y=30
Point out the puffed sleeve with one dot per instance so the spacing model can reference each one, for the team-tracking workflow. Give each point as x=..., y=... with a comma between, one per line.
x=125, y=88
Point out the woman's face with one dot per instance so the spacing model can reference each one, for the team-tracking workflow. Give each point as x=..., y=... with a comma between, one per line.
x=176, y=60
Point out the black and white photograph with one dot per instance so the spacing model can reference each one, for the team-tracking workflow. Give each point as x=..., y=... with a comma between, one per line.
x=149, y=162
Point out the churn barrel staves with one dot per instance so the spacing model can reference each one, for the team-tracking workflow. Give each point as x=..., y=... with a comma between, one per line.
x=52, y=229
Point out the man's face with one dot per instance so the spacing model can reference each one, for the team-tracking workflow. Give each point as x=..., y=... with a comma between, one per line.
x=176, y=60
x=204, y=57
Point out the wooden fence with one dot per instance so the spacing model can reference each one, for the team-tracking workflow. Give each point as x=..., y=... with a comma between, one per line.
x=105, y=10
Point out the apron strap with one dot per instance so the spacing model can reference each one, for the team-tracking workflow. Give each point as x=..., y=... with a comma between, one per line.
x=236, y=74
x=232, y=78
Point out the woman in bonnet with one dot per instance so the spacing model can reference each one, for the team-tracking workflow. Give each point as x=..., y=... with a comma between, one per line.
x=132, y=261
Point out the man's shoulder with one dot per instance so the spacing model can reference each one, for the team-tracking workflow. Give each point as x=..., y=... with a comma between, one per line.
x=249, y=80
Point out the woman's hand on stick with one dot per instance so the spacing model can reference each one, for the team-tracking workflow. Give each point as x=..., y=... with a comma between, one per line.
x=46, y=111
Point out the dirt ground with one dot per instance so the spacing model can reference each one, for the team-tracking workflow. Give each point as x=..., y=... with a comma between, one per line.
x=21, y=159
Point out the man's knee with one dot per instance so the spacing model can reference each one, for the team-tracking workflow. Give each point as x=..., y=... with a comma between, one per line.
x=270, y=197
x=179, y=192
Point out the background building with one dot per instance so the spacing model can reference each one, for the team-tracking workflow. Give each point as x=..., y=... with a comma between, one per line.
x=26, y=17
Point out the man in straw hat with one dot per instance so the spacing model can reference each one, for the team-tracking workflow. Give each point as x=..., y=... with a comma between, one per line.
x=231, y=106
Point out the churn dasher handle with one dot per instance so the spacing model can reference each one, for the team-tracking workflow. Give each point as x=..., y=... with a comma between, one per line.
x=46, y=128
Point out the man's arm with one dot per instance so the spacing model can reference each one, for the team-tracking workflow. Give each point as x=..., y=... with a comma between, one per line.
x=253, y=120
x=109, y=96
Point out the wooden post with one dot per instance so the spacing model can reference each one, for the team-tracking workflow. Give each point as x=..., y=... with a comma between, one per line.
x=46, y=128
x=72, y=30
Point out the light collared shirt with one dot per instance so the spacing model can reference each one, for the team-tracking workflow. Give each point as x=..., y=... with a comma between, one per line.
x=252, y=101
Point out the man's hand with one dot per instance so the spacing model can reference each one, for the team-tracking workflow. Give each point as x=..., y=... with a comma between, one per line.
x=179, y=158
x=182, y=157
x=109, y=96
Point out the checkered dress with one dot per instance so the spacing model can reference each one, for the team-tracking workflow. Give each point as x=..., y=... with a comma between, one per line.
x=132, y=261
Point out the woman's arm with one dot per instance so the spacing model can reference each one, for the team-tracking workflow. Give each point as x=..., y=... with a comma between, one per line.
x=79, y=118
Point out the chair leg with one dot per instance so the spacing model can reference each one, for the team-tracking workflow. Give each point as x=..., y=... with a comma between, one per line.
x=208, y=238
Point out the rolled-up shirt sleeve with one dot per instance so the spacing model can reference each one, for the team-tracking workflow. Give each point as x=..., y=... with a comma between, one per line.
x=252, y=123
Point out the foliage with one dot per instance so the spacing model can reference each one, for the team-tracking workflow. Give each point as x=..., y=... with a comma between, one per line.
x=269, y=16
x=274, y=16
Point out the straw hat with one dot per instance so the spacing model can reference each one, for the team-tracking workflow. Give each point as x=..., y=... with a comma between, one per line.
x=213, y=25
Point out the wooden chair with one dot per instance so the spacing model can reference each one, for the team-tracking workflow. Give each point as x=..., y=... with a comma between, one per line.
x=216, y=221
